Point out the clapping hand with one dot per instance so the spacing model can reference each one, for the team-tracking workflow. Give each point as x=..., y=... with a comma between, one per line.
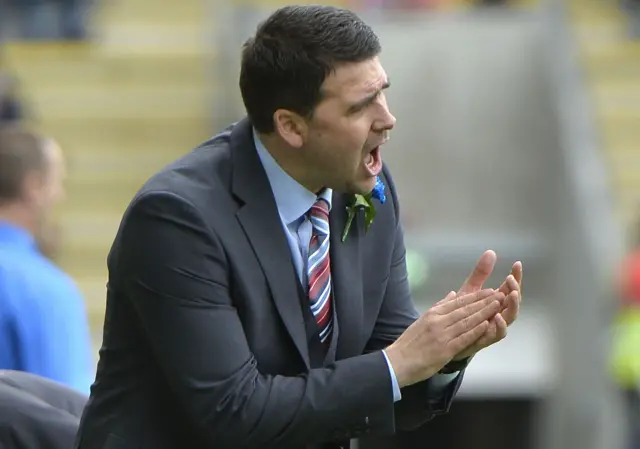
x=511, y=287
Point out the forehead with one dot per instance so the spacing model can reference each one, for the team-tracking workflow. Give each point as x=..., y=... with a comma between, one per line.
x=351, y=81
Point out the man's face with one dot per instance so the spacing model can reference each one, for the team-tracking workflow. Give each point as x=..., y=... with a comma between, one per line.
x=54, y=185
x=47, y=188
x=348, y=126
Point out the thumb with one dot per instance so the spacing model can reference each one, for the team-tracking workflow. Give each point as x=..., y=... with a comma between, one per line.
x=481, y=272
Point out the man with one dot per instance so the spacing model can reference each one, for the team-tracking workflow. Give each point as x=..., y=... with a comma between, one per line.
x=37, y=413
x=217, y=334
x=625, y=357
x=44, y=327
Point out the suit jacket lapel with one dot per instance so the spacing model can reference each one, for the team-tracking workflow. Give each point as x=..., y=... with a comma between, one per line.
x=261, y=222
x=347, y=277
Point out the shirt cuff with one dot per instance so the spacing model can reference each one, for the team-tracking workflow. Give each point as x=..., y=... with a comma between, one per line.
x=394, y=381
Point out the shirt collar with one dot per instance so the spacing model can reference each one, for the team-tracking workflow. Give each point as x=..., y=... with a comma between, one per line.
x=15, y=235
x=293, y=200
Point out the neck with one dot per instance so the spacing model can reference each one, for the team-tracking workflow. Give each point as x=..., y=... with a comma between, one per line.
x=291, y=161
x=17, y=215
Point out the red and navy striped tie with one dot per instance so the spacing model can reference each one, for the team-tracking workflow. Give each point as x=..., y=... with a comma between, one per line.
x=319, y=269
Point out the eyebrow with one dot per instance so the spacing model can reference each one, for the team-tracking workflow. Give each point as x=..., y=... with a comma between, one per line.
x=369, y=98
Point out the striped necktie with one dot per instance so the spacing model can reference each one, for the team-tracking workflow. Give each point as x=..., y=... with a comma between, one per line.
x=319, y=269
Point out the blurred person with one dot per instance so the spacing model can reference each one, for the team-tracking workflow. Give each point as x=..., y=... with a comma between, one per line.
x=11, y=108
x=244, y=309
x=626, y=349
x=47, y=19
x=43, y=323
x=48, y=240
x=71, y=18
x=632, y=9
x=37, y=413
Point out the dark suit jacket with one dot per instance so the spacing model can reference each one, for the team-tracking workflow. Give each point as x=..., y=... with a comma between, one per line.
x=37, y=413
x=208, y=340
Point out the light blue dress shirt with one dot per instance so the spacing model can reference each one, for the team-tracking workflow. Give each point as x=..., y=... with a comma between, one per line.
x=294, y=201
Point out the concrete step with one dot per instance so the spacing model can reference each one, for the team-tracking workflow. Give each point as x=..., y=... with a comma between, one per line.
x=620, y=132
x=113, y=72
x=94, y=291
x=616, y=100
x=173, y=12
x=103, y=197
x=124, y=135
x=626, y=178
x=87, y=261
x=613, y=71
x=594, y=10
x=615, y=49
x=134, y=102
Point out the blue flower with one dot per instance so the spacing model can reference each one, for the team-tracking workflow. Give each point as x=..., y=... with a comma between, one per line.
x=378, y=191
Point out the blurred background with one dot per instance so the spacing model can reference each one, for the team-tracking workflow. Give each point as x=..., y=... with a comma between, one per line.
x=518, y=130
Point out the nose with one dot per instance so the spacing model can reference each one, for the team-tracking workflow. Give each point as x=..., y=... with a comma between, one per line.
x=391, y=121
x=386, y=122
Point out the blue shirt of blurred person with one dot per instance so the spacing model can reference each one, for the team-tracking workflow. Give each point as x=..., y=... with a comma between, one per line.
x=43, y=324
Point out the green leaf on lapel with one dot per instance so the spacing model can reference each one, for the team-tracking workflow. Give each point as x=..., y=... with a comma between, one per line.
x=356, y=203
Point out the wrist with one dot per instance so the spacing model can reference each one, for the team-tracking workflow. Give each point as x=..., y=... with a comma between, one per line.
x=399, y=367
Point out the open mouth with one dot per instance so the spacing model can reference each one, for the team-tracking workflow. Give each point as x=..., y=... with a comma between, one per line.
x=373, y=162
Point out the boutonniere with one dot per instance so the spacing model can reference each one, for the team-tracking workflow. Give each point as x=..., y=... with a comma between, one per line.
x=365, y=202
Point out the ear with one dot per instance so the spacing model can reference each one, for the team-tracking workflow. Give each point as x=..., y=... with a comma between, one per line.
x=291, y=127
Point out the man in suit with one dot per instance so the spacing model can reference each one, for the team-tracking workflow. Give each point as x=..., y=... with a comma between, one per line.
x=37, y=413
x=237, y=317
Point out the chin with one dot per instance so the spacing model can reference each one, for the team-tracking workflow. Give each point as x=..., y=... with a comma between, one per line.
x=361, y=187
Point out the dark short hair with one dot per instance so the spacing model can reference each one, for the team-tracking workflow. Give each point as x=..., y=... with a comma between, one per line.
x=293, y=51
x=21, y=153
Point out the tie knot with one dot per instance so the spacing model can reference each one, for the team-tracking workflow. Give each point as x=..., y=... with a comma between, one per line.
x=319, y=216
x=320, y=209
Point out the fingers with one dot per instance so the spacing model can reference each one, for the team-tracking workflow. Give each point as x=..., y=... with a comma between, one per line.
x=454, y=301
x=474, y=315
x=501, y=328
x=513, y=281
x=510, y=284
x=480, y=274
x=516, y=271
x=512, y=307
x=469, y=337
x=465, y=314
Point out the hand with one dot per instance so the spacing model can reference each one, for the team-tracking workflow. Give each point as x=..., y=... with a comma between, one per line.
x=446, y=329
x=511, y=288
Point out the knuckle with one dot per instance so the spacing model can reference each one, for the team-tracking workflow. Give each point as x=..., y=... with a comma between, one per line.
x=436, y=323
x=431, y=315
